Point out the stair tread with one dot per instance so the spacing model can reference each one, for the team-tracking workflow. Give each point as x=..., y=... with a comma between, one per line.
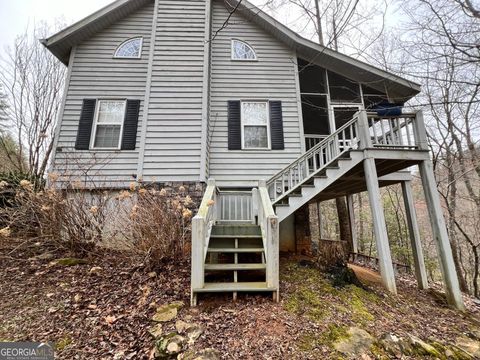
x=235, y=266
x=235, y=250
x=235, y=236
x=234, y=286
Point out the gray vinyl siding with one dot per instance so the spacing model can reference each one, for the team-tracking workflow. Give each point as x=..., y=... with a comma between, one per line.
x=272, y=77
x=173, y=138
x=96, y=74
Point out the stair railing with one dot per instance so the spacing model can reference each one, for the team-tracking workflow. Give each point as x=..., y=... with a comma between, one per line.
x=202, y=224
x=268, y=222
x=315, y=159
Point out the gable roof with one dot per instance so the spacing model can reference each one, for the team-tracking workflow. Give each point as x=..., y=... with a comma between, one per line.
x=62, y=42
x=397, y=88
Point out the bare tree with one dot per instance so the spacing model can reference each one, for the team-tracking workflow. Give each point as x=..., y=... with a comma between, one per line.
x=33, y=82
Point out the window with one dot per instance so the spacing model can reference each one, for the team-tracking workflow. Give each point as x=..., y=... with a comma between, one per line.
x=130, y=49
x=254, y=117
x=242, y=51
x=108, y=123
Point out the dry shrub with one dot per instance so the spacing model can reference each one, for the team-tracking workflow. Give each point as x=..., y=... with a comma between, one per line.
x=71, y=221
x=146, y=222
x=158, y=225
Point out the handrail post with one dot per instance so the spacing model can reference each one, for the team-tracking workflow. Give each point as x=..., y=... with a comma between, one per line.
x=254, y=205
x=420, y=131
x=270, y=234
x=198, y=240
x=200, y=231
x=363, y=130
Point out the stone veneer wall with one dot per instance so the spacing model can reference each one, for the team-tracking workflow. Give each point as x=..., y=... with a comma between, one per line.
x=194, y=189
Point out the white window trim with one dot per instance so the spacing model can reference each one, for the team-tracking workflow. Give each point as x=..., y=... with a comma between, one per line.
x=115, y=56
x=95, y=123
x=267, y=107
x=246, y=43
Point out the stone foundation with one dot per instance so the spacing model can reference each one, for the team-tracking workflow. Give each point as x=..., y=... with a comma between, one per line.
x=194, y=189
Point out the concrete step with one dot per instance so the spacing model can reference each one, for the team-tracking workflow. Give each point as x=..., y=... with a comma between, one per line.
x=232, y=267
x=234, y=286
x=233, y=250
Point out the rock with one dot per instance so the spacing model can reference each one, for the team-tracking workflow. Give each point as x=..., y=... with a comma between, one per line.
x=175, y=344
x=95, y=270
x=161, y=345
x=167, y=312
x=357, y=342
x=392, y=344
x=156, y=331
x=181, y=326
x=173, y=348
x=420, y=347
x=470, y=346
x=44, y=256
x=70, y=262
x=193, y=333
x=208, y=354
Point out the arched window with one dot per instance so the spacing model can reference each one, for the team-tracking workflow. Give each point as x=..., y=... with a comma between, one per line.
x=242, y=51
x=130, y=49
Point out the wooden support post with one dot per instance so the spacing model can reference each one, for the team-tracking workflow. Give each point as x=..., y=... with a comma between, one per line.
x=353, y=232
x=379, y=227
x=439, y=230
x=198, y=274
x=420, y=271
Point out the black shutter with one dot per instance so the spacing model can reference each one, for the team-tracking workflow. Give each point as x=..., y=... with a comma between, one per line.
x=276, y=125
x=85, y=124
x=234, y=126
x=130, y=125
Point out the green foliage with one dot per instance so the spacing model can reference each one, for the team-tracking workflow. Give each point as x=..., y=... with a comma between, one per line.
x=313, y=297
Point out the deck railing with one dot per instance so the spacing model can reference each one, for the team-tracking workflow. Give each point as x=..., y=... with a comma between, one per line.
x=393, y=131
x=365, y=130
x=202, y=224
x=268, y=222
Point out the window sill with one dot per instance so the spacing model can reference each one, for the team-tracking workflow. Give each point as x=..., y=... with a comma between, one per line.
x=245, y=60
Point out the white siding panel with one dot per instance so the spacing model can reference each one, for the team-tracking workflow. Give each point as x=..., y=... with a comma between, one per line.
x=272, y=77
x=173, y=139
x=96, y=74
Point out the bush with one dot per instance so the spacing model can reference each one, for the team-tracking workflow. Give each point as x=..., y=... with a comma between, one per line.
x=147, y=222
x=158, y=226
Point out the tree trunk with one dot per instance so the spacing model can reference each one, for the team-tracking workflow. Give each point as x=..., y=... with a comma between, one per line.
x=344, y=221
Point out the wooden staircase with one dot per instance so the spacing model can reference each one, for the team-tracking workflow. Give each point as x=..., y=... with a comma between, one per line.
x=234, y=243
x=235, y=235
x=235, y=260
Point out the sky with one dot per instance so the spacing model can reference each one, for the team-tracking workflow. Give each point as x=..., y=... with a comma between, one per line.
x=16, y=15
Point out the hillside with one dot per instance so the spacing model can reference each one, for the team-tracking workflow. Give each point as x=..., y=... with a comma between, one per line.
x=105, y=309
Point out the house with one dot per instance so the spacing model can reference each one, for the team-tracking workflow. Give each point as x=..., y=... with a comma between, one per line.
x=218, y=94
